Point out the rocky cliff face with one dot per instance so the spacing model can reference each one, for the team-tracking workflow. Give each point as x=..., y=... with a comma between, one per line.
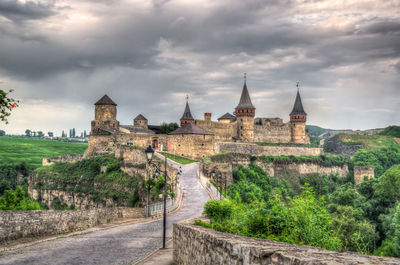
x=335, y=145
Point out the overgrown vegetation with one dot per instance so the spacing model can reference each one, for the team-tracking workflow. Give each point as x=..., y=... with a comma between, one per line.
x=86, y=178
x=178, y=159
x=392, y=131
x=323, y=211
x=14, y=175
x=16, y=200
x=369, y=142
x=15, y=150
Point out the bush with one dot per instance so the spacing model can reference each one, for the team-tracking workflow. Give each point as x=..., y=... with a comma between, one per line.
x=16, y=200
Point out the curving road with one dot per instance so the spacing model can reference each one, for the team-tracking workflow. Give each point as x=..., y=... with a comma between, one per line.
x=125, y=244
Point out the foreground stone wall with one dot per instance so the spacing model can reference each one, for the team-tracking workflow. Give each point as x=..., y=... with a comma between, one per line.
x=196, y=245
x=268, y=150
x=20, y=224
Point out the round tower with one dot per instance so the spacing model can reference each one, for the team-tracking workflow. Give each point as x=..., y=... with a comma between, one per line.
x=298, y=119
x=245, y=112
x=105, y=115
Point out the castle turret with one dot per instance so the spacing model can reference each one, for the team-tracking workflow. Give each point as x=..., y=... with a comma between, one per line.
x=187, y=115
x=105, y=116
x=298, y=118
x=141, y=121
x=245, y=113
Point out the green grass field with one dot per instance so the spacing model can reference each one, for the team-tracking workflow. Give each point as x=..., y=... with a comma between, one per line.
x=178, y=159
x=371, y=142
x=31, y=151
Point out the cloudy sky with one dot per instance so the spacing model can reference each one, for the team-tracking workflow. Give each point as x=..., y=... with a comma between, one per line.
x=61, y=56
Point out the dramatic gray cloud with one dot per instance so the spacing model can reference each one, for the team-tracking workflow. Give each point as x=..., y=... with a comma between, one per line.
x=61, y=56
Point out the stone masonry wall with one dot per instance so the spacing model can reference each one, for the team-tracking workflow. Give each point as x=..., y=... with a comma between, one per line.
x=20, y=224
x=273, y=134
x=361, y=172
x=267, y=150
x=195, y=245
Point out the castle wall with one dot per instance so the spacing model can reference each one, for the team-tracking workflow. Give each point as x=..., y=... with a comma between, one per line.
x=267, y=150
x=192, y=145
x=273, y=134
x=222, y=131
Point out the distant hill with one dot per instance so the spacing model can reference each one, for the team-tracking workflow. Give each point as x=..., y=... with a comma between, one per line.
x=392, y=131
x=315, y=130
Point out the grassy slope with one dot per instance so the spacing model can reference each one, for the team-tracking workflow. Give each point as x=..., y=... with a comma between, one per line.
x=315, y=130
x=371, y=142
x=178, y=159
x=32, y=151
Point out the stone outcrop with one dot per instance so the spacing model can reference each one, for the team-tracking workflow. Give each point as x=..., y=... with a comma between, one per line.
x=47, y=161
x=21, y=224
x=304, y=169
x=335, y=145
x=361, y=172
x=197, y=245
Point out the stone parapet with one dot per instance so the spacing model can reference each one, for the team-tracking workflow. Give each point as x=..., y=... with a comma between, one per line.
x=197, y=245
x=21, y=224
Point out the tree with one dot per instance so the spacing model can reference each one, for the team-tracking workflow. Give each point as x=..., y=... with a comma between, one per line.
x=6, y=105
x=40, y=134
x=28, y=133
x=50, y=134
x=2, y=133
x=34, y=134
x=70, y=133
x=84, y=133
x=168, y=127
x=73, y=133
x=63, y=134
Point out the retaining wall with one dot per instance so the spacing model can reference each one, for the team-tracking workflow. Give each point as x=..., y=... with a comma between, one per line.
x=197, y=245
x=20, y=224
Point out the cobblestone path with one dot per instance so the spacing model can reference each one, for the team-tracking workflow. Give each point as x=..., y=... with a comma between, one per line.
x=119, y=245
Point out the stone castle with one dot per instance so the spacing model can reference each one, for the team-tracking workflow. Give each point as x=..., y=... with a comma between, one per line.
x=196, y=138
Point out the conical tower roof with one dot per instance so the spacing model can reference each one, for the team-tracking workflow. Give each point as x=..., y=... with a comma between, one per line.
x=140, y=117
x=105, y=100
x=245, y=101
x=298, y=106
x=187, y=115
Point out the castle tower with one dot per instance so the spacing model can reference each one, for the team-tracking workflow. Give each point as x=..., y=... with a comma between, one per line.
x=105, y=116
x=187, y=115
x=141, y=121
x=245, y=113
x=298, y=118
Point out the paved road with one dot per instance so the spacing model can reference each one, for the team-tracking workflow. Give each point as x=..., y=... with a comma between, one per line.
x=118, y=245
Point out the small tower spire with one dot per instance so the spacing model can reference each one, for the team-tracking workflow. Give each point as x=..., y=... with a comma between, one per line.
x=244, y=77
x=187, y=114
x=297, y=85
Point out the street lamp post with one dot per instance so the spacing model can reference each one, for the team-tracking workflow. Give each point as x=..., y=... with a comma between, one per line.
x=220, y=185
x=149, y=156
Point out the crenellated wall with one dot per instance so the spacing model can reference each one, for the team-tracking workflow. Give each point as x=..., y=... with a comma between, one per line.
x=197, y=245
